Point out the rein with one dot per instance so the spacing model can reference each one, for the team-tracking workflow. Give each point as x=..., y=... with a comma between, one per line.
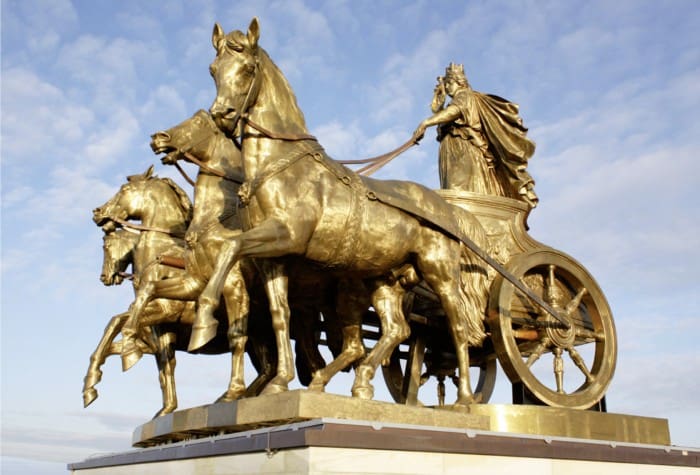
x=372, y=164
x=140, y=227
x=378, y=162
x=277, y=136
x=212, y=171
x=184, y=173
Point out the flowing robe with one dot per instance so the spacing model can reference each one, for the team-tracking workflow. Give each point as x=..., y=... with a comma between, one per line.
x=485, y=150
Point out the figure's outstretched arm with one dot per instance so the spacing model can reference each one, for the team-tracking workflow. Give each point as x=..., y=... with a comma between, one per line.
x=448, y=114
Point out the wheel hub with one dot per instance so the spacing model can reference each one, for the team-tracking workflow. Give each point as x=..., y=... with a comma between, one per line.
x=559, y=336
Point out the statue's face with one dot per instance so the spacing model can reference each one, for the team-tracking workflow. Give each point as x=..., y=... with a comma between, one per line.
x=451, y=86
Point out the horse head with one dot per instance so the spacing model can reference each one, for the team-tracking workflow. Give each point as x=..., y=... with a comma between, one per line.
x=197, y=135
x=154, y=201
x=118, y=253
x=236, y=74
x=123, y=205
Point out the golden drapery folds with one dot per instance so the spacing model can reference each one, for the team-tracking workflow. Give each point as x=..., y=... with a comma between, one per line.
x=486, y=149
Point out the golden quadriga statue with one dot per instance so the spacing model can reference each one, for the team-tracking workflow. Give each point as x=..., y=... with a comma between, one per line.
x=278, y=224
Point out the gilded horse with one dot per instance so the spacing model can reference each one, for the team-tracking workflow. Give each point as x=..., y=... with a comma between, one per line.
x=160, y=339
x=165, y=212
x=299, y=202
x=216, y=221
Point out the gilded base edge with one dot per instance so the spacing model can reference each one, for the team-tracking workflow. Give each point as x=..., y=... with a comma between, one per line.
x=302, y=405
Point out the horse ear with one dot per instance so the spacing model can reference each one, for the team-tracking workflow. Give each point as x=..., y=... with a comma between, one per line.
x=216, y=36
x=254, y=32
x=148, y=173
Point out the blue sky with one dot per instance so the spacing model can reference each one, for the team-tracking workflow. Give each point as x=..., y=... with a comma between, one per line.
x=609, y=91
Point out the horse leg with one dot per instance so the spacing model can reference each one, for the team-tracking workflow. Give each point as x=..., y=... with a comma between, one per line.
x=178, y=288
x=261, y=349
x=238, y=308
x=304, y=325
x=387, y=301
x=204, y=326
x=165, y=359
x=276, y=287
x=271, y=238
x=444, y=278
x=351, y=305
x=98, y=357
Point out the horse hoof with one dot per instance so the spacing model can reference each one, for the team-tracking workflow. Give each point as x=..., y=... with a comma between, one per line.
x=201, y=335
x=317, y=384
x=466, y=401
x=365, y=392
x=164, y=411
x=89, y=395
x=274, y=388
x=131, y=354
x=230, y=396
x=316, y=387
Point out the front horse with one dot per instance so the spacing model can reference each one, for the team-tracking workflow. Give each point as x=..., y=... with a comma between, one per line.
x=216, y=220
x=165, y=212
x=300, y=202
x=118, y=255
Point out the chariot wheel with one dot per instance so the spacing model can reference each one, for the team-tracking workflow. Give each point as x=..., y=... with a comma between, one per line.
x=429, y=372
x=567, y=364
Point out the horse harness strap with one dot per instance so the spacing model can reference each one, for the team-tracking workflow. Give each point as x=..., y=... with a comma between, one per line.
x=184, y=174
x=249, y=187
x=278, y=135
x=140, y=227
x=203, y=166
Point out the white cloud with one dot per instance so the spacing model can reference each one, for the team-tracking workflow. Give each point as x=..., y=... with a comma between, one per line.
x=39, y=25
x=114, y=69
x=163, y=105
x=38, y=119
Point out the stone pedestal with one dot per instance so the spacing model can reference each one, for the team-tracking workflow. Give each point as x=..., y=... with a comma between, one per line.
x=307, y=432
x=331, y=446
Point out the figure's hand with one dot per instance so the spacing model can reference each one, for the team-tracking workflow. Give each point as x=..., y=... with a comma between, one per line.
x=439, y=95
x=419, y=133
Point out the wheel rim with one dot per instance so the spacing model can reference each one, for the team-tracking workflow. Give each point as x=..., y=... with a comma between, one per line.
x=483, y=378
x=561, y=367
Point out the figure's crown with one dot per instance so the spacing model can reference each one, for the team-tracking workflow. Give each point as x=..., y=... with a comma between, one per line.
x=454, y=70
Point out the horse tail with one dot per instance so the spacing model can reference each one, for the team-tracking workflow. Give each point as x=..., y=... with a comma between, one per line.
x=473, y=278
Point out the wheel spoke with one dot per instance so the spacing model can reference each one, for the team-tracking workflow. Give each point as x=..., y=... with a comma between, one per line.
x=580, y=364
x=559, y=369
x=538, y=351
x=575, y=302
x=588, y=334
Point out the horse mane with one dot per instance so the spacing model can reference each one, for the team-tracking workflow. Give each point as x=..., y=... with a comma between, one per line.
x=274, y=74
x=183, y=200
